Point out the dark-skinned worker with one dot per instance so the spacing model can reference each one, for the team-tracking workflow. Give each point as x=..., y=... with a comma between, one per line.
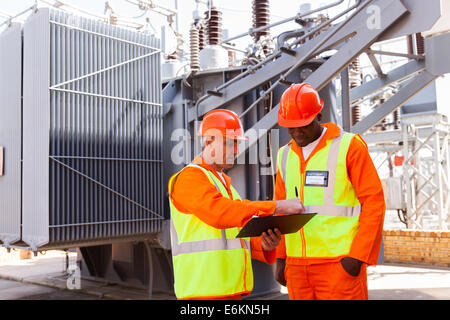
x=335, y=177
x=209, y=262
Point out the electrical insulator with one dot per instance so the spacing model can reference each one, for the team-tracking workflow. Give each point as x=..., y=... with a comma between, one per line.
x=195, y=47
x=214, y=26
x=260, y=17
x=355, y=80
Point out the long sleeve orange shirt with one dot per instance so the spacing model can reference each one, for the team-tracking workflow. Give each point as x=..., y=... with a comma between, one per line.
x=364, y=178
x=193, y=193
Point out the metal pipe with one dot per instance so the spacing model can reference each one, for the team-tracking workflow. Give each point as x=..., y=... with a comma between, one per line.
x=428, y=180
x=105, y=69
x=283, y=37
x=278, y=53
x=427, y=195
x=326, y=23
x=310, y=53
x=229, y=47
x=417, y=211
x=424, y=143
x=5, y=15
x=177, y=22
x=172, y=11
x=103, y=35
x=298, y=16
x=238, y=77
x=438, y=174
x=274, y=55
x=34, y=7
x=107, y=97
x=345, y=96
x=396, y=54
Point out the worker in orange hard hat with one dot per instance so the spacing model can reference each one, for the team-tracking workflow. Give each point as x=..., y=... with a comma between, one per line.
x=209, y=262
x=335, y=177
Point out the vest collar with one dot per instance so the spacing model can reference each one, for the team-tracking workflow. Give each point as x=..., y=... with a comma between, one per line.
x=201, y=162
x=332, y=132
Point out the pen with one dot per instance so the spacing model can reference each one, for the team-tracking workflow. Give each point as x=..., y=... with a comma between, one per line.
x=296, y=192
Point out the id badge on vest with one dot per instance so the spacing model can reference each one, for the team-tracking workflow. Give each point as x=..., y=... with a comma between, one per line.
x=316, y=179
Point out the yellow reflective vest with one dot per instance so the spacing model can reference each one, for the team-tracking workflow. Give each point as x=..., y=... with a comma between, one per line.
x=324, y=188
x=208, y=262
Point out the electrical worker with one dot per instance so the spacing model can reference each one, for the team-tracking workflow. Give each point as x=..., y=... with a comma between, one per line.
x=334, y=176
x=206, y=214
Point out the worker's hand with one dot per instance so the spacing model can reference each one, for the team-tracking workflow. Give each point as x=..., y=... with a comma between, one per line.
x=279, y=271
x=351, y=265
x=270, y=239
x=289, y=206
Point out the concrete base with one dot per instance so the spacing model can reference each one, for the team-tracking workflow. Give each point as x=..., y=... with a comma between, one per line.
x=45, y=278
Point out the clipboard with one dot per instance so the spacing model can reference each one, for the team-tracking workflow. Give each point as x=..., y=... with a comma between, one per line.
x=286, y=224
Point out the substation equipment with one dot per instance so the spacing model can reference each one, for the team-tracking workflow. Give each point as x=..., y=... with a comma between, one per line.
x=91, y=118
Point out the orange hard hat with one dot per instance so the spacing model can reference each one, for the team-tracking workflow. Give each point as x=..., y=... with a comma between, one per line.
x=299, y=105
x=224, y=123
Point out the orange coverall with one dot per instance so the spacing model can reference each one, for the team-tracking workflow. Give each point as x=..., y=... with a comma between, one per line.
x=193, y=193
x=324, y=277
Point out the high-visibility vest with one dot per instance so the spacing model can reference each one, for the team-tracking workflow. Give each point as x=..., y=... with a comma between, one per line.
x=208, y=262
x=331, y=232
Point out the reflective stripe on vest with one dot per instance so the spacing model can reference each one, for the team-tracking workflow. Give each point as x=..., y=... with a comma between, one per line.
x=331, y=232
x=329, y=206
x=205, y=245
x=208, y=262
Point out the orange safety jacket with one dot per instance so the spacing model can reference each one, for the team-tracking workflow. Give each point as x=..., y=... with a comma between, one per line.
x=364, y=178
x=193, y=193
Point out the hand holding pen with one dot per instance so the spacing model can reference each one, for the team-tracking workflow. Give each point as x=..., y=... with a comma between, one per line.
x=290, y=206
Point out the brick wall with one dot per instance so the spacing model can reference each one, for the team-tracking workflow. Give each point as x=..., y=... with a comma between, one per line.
x=417, y=247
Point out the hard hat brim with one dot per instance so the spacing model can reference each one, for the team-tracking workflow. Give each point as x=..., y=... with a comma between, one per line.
x=297, y=123
x=240, y=138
